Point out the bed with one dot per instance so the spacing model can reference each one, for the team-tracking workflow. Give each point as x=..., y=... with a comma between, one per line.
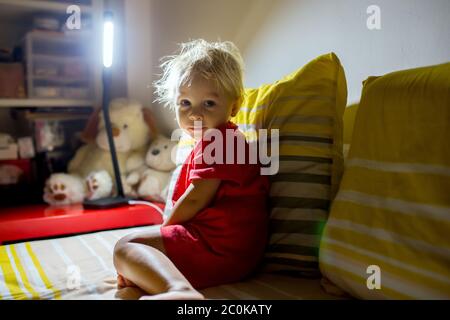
x=305, y=109
x=81, y=267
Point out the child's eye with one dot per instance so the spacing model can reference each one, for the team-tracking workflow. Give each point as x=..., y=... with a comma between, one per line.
x=184, y=103
x=209, y=103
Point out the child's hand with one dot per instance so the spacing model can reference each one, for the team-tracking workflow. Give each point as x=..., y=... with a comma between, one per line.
x=196, y=197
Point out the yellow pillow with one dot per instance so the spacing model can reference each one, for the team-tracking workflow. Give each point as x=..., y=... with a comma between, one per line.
x=306, y=107
x=349, y=122
x=391, y=216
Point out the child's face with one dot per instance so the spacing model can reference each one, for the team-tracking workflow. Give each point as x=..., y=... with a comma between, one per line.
x=202, y=101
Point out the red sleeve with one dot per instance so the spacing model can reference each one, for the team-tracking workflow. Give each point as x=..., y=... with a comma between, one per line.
x=237, y=173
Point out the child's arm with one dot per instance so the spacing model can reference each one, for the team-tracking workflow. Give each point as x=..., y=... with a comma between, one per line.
x=196, y=197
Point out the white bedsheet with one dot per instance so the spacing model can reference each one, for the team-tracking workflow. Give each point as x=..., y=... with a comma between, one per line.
x=81, y=267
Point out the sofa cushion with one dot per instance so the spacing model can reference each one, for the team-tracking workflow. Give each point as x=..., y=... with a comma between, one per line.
x=391, y=216
x=349, y=122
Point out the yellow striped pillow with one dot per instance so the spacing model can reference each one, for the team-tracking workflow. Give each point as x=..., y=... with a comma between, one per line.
x=349, y=121
x=306, y=107
x=392, y=210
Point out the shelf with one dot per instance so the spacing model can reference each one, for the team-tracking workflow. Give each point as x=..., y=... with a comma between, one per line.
x=58, y=36
x=59, y=48
x=41, y=221
x=62, y=79
x=57, y=58
x=7, y=103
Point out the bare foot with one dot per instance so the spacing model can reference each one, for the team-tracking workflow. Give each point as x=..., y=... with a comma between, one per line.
x=123, y=282
x=188, y=294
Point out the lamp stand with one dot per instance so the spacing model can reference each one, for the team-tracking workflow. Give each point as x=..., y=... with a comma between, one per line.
x=120, y=199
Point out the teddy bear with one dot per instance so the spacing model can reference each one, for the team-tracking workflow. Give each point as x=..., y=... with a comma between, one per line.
x=133, y=128
x=151, y=181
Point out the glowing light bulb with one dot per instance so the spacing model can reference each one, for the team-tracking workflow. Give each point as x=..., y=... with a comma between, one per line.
x=108, y=42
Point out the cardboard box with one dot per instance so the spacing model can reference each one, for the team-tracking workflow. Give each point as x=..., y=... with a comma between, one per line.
x=12, y=81
x=9, y=152
x=21, y=167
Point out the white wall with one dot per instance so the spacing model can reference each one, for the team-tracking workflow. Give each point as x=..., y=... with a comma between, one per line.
x=155, y=27
x=413, y=33
x=138, y=33
x=278, y=36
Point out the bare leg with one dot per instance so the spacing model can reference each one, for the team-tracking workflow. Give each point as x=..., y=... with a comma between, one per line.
x=140, y=259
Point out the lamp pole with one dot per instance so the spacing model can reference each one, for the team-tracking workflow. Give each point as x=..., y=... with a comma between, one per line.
x=108, y=43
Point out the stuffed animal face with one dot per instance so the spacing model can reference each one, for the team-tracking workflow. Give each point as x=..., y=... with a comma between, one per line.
x=161, y=154
x=130, y=129
x=63, y=189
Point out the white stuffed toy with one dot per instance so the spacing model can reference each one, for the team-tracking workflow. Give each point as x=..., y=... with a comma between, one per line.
x=151, y=181
x=63, y=189
x=99, y=185
x=132, y=127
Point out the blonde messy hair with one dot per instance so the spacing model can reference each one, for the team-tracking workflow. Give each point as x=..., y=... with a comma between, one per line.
x=220, y=62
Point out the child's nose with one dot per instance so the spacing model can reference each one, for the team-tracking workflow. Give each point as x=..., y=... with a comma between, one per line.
x=196, y=117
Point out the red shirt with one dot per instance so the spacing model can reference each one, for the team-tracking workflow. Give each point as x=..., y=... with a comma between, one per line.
x=225, y=241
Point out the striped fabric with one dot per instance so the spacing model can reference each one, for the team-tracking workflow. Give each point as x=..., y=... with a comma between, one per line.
x=67, y=268
x=392, y=210
x=349, y=121
x=306, y=107
x=81, y=267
